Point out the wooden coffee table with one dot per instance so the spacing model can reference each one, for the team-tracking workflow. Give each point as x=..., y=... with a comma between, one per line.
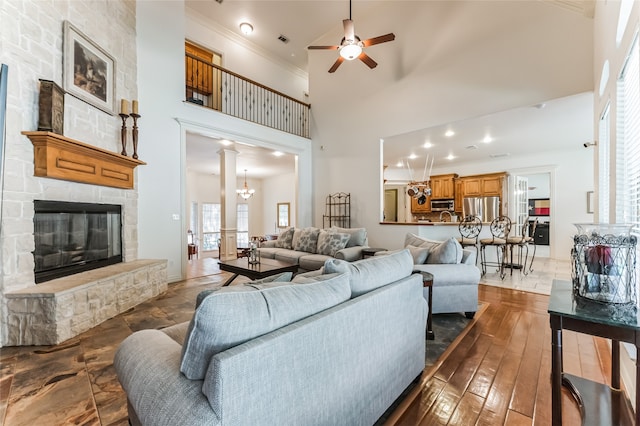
x=265, y=268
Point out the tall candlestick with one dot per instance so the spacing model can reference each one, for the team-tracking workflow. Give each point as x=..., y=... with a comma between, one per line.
x=124, y=107
x=134, y=132
x=123, y=133
x=134, y=107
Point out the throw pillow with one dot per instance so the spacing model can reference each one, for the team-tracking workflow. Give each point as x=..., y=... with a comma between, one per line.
x=373, y=272
x=308, y=241
x=285, y=239
x=448, y=251
x=419, y=254
x=358, y=236
x=229, y=318
x=330, y=242
x=256, y=284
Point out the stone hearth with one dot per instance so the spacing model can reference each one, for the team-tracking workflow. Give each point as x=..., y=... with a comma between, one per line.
x=52, y=312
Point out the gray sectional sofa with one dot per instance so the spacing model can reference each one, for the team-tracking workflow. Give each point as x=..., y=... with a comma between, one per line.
x=455, y=274
x=333, y=347
x=311, y=247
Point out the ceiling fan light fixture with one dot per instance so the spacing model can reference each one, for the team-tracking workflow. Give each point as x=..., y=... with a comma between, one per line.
x=350, y=51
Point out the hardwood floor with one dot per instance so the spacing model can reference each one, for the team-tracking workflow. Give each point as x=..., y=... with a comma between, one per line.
x=497, y=372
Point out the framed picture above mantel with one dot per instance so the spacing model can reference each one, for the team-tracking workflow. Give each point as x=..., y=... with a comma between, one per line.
x=89, y=71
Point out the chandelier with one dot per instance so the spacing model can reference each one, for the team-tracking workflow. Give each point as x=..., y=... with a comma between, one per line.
x=245, y=192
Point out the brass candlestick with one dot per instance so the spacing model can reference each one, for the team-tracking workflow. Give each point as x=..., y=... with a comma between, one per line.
x=134, y=133
x=123, y=133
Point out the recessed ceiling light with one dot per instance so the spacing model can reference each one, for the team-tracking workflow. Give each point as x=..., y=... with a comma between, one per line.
x=399, y=164
x=225, y=142
x=278, y=153
x=427, y=145
x=450, y=157
x=487, y=139
x=413, y=157
x=246, y=28
x=449, y=133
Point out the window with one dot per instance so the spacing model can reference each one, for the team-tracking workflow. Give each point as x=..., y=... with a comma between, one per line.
x=243, y=225
x=627, y=141
x=604, y=146
x=193, y=221
x=210, y=226
x=211, y=222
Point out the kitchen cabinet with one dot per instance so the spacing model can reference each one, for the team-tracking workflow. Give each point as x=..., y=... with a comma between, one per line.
x=458, y=195
x=420, y=208
x=442, y=187
x=483, y=185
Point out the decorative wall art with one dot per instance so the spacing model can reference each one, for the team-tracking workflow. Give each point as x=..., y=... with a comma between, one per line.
x=89, y=71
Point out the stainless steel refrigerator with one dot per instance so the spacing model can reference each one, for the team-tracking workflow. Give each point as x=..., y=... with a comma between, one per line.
x=486, y=208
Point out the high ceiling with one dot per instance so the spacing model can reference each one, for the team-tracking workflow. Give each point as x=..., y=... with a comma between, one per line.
x=559, y=124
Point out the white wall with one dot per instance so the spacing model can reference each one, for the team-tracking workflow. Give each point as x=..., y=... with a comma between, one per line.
x=31, y=43
x=279, y=189
x=433, y=78
x=166, y=119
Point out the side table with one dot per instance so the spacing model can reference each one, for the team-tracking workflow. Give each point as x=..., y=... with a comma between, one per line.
x=427, y=282
x=599, y=404
x=371, y=251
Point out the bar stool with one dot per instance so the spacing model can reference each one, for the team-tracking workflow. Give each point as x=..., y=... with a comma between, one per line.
x=522, y=241
x=470, y=229
x=500, y=228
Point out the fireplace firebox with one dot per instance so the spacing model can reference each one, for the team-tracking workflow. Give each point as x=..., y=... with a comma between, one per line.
x=75, y=237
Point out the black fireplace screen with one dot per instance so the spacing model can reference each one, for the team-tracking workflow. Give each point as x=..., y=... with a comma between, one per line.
x=75, y=237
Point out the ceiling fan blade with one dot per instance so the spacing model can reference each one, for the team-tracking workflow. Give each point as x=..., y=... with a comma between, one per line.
x=349, y=32
x=380, y=39
x=336, y=64
x=367, y=60
x=324, y=47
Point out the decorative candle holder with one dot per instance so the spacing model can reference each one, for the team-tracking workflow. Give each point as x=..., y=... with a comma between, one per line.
x=254, y=254
x=123, y=133
x=134, y=133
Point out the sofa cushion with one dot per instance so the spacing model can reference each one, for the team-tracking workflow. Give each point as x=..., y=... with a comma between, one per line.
x=311, y=262
x=285, y=239
x=283, y=277
x=290, y=256
x=448, y=251
x=308, y=240
x=228, y=318
x=373, y=272
x=358, y=236
x=330, y=242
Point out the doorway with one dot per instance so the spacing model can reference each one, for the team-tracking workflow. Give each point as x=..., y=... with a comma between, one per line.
x=390, y=213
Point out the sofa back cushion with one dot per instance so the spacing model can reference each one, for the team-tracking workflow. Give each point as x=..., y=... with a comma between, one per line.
x=308, y=240
x=447, y=251
x=284, y=277
x=357, y=236
x=373, y=272
x=227, y=318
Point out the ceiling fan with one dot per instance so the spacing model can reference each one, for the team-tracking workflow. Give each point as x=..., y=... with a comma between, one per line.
x=351, y=47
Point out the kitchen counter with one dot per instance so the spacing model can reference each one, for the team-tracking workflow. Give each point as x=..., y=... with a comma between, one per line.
x=427, y=223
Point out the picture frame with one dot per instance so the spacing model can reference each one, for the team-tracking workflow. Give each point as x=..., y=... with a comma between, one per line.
x=284, y=216
x=88, y=70
x=590, y=200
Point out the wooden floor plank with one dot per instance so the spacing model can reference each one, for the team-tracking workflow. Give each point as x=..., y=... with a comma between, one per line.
x=500, y=371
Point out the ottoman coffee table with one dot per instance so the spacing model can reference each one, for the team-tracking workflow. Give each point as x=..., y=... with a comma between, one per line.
x=265, y=268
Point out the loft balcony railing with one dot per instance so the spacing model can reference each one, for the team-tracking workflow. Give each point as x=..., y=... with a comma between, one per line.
x=214, y=87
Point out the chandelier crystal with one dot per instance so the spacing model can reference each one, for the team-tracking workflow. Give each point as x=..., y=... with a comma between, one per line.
x=245, y=192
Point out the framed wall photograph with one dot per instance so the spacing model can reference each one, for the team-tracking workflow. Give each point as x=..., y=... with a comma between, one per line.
x=88, y=70
x=539, y=207
x=590, y=203
x=284, y=216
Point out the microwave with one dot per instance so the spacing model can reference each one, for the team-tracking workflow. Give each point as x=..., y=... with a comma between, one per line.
x=442, y=205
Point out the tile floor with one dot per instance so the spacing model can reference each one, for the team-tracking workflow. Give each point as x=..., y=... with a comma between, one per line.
x=75, y=383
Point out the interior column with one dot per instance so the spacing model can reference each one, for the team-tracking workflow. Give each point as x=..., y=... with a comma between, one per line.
x=228, y=205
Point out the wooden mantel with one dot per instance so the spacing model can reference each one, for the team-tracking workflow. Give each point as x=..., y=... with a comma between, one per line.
x=59, y=157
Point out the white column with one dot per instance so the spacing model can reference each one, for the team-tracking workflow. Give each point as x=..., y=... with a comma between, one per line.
x=228, y=205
